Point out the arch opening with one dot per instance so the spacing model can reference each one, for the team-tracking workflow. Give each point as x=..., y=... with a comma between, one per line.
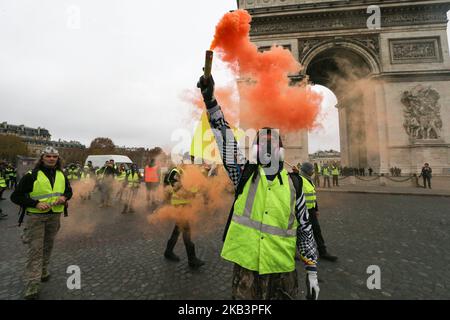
x=346, y=73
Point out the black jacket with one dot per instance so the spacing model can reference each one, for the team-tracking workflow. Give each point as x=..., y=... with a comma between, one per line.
x=108, y=171
x=426, y=172
x=21, y=195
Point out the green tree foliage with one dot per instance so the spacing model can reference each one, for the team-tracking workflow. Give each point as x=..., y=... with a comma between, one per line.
x=101, y=146
x=12, y=146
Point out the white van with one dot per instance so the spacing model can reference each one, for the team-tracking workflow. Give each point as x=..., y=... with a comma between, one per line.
x=99, y=161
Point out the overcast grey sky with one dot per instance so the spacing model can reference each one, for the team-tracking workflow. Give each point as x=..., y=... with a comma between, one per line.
x=116, y=72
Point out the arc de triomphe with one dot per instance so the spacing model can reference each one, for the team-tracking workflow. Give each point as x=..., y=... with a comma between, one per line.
x=392, y=82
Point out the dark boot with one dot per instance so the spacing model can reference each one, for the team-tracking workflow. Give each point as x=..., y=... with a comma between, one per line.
x=45, y=276
x=125, y=209
x=327, y=256
x=194, y=262
x=169, y=255
x=131, y=210
x=32, y=291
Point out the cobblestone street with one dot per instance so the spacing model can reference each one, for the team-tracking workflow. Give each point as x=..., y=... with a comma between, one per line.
x=121, y=257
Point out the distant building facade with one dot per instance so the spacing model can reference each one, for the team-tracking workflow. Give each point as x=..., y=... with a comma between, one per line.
x=25, y=132
x=37, y=139
x=323, y=157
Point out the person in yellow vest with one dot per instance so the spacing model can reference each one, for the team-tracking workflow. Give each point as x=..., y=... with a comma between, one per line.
x=269, y=221
x=178, y=196
x=99, y=177
x=13, y=178
x=86, y=180
x=133, y=180
x=3, y=184
x=309, y=189
x=43, y=194
x=317, y=170
x=8, y=175
x=335, y=173
x=151, y=178
x=122, y=183
x=73, y=172
x=326, y=172
x=105, y=182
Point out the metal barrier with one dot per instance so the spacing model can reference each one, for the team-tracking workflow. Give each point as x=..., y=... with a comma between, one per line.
x=373, y=179
x=404, y=180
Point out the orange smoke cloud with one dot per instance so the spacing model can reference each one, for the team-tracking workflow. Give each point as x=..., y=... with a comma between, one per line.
x=207, y=207
x=226, y=96
x=267, y=98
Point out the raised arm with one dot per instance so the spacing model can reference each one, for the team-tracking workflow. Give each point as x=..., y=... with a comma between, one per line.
x=232, y=157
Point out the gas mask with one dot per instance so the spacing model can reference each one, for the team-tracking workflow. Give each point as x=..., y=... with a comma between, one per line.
x=268, y=149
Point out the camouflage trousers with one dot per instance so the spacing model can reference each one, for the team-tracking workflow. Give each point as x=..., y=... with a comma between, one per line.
x=39, y=235
x=249, y=285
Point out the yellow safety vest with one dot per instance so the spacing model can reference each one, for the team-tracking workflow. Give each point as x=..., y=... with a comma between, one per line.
x=335, y=171
x=85, y=176
x=133, y=180
x=43, y=191
x=326, y=172
x=8, y=173
x=2, y=181
x=72, y=174
x=99, y=174
x=176, y=200
x=309, y=190
x=121, y=177
x=262, y=234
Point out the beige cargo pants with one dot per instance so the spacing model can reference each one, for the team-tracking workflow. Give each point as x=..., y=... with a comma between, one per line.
x=39, y=234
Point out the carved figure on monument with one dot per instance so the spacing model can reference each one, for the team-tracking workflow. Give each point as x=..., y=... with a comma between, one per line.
x=422, y=113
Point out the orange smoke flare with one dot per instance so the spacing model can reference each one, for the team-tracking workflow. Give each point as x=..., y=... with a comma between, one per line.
x=267, y=98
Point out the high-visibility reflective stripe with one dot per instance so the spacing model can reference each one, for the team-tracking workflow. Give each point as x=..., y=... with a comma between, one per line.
x=310, y=194
x=310, y=201
x=245, y=221
x=45, y=196
x=251, y=197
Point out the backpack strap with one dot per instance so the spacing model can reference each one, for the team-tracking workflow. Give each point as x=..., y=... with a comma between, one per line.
x=23, y=210
x=298, y=183
x=249, y=170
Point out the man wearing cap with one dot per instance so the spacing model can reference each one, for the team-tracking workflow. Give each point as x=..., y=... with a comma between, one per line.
x=43, y=194
x=309, y=189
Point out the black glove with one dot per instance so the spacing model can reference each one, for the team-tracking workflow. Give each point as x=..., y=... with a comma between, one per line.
x=206, y=86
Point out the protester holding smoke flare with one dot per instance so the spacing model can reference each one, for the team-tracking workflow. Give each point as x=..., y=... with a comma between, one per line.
x=269, y=220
